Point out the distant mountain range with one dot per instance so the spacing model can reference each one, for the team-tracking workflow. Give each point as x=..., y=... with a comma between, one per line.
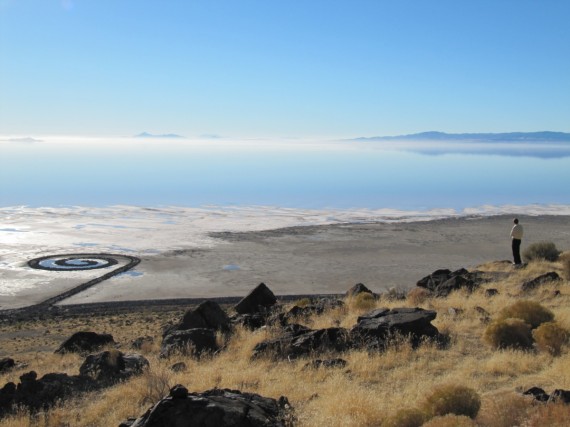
x=150, y=135
x=545, y=136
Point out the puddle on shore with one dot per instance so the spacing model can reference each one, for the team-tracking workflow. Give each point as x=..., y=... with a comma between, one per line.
x=231, y=267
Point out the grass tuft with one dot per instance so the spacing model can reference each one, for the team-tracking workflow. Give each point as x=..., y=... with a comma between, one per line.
x=530, y=312
x=453, y=399
x=550, y=337
x=509, y=333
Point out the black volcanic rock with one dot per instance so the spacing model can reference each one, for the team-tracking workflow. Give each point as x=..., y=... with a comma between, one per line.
x=40, y=394
x=110, y=367
x=85, y=342
x=257, y=300
x=6, y=364
x=208, y=315
x=540, y=280
x=300, y=341
x=381, y=324
x=215, y=408
x=442, y=282
x=358, y=289
x=192, y=341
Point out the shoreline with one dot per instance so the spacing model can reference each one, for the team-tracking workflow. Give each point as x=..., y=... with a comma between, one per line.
x=304, y=260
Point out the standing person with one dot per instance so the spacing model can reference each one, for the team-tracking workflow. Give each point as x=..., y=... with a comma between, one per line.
x=516, y=236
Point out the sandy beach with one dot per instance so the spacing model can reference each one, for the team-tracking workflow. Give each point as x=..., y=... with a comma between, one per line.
x=319, y=259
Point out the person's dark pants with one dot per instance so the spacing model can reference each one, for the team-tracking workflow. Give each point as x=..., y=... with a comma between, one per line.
x=517, y=251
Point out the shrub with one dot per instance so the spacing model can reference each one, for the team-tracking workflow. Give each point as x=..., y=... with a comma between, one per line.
x=363, y=301
x=509, y=333
x=550, y=337
x=530, y=312
x=503, y=410
x=453, y=399
x=411, y=417
x=418, y=295
x=451, y=420
x=541, y=250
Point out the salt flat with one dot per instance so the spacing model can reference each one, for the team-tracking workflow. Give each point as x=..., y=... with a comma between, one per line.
x=200, y=253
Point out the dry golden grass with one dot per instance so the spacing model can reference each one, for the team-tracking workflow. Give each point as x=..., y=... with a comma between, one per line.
x=369, y=391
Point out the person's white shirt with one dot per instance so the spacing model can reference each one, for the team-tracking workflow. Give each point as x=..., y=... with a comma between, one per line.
x=517, y=232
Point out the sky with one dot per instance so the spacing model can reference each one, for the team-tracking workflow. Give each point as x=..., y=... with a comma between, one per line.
x=255, y=69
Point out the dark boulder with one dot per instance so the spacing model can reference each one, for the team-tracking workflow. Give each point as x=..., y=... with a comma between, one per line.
x=442, y=282
x=215, y=408
x=40, y=394
x=300, y=341
x=267, y=317
x=6, y=364
x=110, y=367
x=540, y=280
x=179, y=367
x=358, y=289
x=85, y=342
x=192, y=341
x=257, y=300
x=537, y=393
x=207, y=315
x=491, y=292
x=380, y=324
x=374, y=314
x=435, y=279
x=558, y=395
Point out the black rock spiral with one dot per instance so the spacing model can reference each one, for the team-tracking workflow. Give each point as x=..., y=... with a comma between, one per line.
x=72, y=262
x=78, y=262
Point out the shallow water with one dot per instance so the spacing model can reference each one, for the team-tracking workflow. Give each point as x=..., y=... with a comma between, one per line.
x=287, y=174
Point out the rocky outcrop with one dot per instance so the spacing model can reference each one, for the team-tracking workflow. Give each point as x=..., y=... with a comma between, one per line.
x=85, y=342
x=6, y=364
x=558, y=395
x=378, y=325
x=196, y=332
x=256, y=301
x=208, y=315
x=442, y=282
x=540, y=280
x=299, y=341
x=216, y=407
x=358, y=289
x=192, y=342
x=39, y=394
x=110, y=367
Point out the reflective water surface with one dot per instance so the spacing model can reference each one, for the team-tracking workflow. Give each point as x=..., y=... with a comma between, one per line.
x=288, y=173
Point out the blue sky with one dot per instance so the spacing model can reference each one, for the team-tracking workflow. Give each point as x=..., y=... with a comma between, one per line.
x=283, y=68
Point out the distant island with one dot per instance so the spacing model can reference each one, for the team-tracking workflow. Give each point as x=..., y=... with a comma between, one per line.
x=26, y=140
x=544, y=136
x=150, y=135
